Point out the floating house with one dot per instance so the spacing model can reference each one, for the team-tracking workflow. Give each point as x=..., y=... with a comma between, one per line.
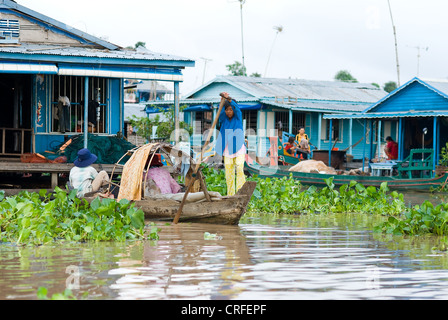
x=140, y=91
x=57, y=81
x=415, y=115
x=271, y=105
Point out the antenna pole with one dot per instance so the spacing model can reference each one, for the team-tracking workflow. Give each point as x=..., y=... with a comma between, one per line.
x=242, y=36
x=396, y=46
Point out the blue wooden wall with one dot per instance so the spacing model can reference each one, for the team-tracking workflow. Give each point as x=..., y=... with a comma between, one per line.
x=415, y=96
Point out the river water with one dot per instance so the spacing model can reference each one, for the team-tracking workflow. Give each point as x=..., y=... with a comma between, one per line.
x=265, y=257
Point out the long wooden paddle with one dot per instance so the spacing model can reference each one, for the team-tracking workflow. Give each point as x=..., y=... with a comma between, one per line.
x=195, y=170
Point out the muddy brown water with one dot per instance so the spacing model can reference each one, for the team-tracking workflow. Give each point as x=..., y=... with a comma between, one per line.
x=265, y=257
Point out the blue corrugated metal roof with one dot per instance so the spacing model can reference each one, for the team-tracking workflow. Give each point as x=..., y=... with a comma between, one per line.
x=388, y=115
x=65, y=51
x=302, y=89
x=319, y=106
x=197, y=101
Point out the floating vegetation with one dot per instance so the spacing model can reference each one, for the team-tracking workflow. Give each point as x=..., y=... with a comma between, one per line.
x=38, y=218
x=417, y=220
x=288, y=195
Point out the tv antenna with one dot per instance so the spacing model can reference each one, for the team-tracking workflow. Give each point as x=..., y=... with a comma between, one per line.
x=205, y=67
x=278, y=30
x=418, y=57
x=242, y=34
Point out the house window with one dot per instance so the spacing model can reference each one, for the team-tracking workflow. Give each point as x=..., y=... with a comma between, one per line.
x=298, y=120
x=9, y=30
x=282, y=121
x=374, y=126
x=251, y=119
x=336, y=132
x=202, y=122
x=70, y=89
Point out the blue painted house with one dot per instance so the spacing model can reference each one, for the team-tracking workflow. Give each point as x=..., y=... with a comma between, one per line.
x=270, y=104
x=56, y=81
x=415, y=115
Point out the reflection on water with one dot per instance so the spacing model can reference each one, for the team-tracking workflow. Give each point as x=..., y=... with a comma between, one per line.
x=265, y=257
x=417, y=198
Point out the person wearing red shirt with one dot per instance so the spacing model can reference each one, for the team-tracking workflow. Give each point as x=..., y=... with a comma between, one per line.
x=391, y=149
x=289, y=147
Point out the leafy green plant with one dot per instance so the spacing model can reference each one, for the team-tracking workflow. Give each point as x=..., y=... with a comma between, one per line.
x=419, y=219
x=67, y=294
x=287, y=195
x=444, y=156
x=153, y=232
x=37, y=218
x=144, y=125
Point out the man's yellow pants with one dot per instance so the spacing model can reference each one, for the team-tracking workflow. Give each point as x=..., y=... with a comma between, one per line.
x=232, y=165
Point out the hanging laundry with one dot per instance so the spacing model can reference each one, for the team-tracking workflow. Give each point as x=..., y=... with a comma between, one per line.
x=92, y=110
x=63, y=113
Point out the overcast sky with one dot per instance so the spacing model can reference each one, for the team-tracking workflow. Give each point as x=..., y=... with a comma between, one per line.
x=319, y=37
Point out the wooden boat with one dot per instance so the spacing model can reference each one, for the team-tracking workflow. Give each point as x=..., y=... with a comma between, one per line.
x=218, y=210
x=317, y=179
x=226, y=210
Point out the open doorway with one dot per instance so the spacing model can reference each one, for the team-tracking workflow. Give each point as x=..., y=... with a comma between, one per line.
x=418, y=134
x=15, y=122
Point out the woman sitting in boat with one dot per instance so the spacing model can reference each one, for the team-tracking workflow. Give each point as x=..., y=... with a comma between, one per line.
x=391, y=149
x=159, y=180
x=84, y=178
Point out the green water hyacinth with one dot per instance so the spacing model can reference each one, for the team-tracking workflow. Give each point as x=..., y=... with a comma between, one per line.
x=287, y=195
x=418, y=220
x=38, y=218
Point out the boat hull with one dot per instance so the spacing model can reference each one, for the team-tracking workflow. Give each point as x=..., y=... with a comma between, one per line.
x=317, y=179
x=226, y=211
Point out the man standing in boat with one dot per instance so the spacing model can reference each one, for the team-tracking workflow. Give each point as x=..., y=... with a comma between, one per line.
x=230, y=144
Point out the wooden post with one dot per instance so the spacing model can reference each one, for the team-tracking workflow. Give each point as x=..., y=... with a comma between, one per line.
x=329, y=138
x=365, y=143
x=176, y=112
x=350, y=136
x=54, y=180
x=399, y=139
x=434, y=146
x=378, y=145
x=204, y=186
x=86, y=109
